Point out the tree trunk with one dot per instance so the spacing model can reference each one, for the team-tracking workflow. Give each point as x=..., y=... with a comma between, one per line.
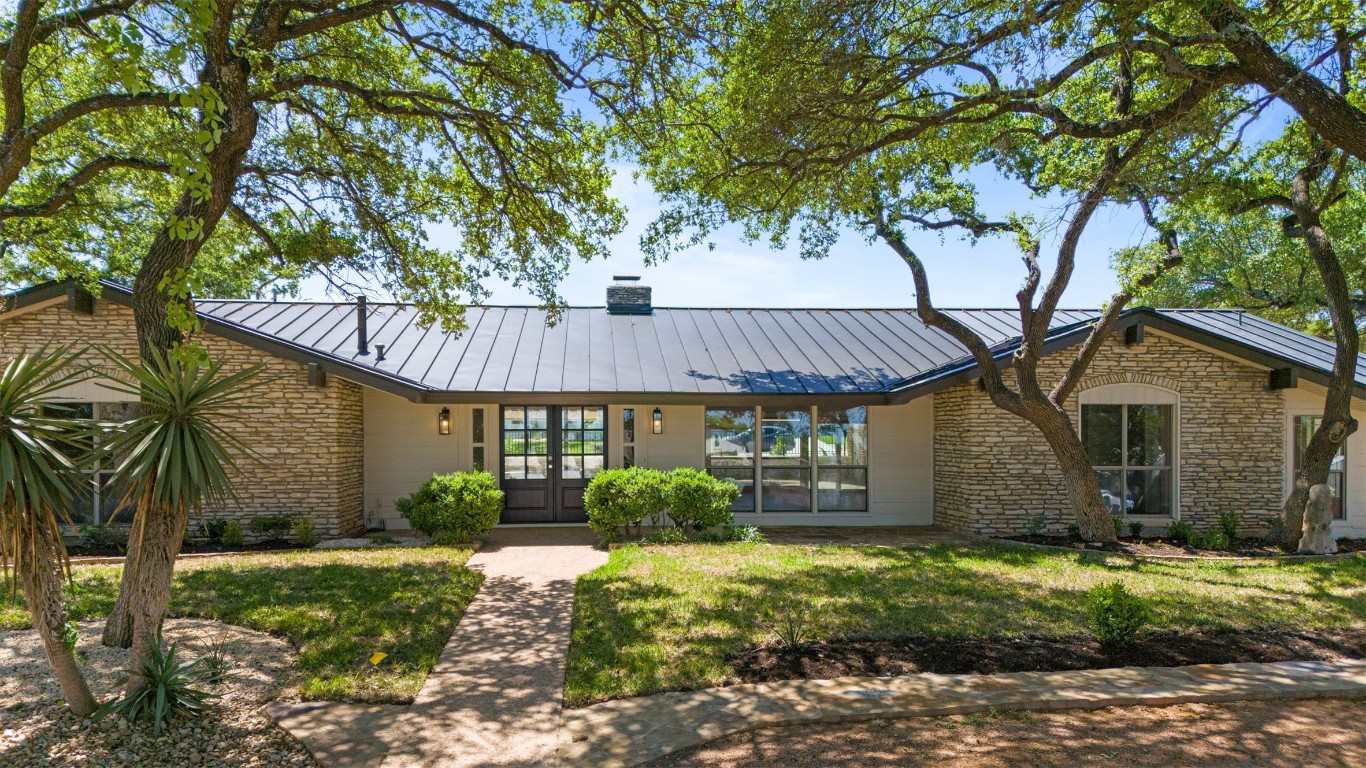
x=150, y=591
x=1078, y=475
x=1337, y=422
x=229, y=75
x=42, y=584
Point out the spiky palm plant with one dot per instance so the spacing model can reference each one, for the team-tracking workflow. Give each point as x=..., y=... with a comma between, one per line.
x=175, y=456
x=37, y=482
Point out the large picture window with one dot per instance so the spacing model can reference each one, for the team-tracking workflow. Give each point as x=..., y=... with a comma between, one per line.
x=730, y=446
x=786, y=460
x=1130, y=447
x=1305, y=426
x=842, y=460
x=103, y=503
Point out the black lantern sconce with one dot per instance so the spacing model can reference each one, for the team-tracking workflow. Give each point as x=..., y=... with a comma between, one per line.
x=443, y=422
x=657, y=421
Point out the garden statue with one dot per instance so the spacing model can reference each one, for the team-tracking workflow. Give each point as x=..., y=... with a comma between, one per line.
x=1318, y=523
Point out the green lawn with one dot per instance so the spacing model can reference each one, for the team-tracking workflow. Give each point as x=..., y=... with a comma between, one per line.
x=665, y=618
x=336, y=607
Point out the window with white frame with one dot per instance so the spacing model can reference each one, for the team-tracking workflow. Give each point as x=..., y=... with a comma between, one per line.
x=478, y=454
x=1131, y=448
x=1305, y=427
x=103, y=503
x=628, y=437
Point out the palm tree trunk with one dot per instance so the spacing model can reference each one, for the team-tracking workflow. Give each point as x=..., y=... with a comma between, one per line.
x=118, y=630
x=42, y=584
x=149, y=594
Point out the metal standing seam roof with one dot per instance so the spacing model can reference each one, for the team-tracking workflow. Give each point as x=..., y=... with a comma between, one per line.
x=685, y=351
x=883, y=354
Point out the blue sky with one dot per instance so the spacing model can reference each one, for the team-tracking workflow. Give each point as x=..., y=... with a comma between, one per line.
x=856, y=274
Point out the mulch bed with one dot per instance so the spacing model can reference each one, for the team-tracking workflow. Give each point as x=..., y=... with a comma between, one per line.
x=189, y=548
x=949, y=655
x=1161, y=547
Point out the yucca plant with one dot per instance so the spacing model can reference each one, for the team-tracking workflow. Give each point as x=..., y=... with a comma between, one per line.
x=37, y=482
x=172, y=691
x=175, y=456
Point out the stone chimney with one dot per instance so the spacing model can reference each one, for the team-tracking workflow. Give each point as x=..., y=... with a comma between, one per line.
x=628, y=297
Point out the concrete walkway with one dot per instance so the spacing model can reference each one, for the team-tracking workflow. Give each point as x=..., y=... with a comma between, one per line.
x=494, y=697
x=631, y=732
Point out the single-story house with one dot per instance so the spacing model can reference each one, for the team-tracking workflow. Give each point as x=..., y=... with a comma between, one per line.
x=820, y=416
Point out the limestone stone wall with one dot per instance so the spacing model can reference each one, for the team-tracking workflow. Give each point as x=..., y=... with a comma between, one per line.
x=310, y=440
x=993, y=470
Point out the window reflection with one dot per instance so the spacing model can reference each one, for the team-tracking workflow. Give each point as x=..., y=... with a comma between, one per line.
x=1130, y=447
x=730, y=443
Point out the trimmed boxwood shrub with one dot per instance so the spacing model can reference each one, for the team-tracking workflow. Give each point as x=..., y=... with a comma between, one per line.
x=697, y=499
x=619, y=498
x=454, y=508
x=1116, y=614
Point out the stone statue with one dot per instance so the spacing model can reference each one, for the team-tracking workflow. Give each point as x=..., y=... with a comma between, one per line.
x=1318, y=523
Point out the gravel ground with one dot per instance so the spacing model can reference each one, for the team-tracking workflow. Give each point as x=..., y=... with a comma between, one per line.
x=37, y=730
x=1323, y=733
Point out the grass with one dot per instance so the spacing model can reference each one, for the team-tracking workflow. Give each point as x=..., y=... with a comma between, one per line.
x=666, y=618
x=336, y=607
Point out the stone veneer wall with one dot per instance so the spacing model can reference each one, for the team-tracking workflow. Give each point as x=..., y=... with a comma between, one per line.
x=310, y=440
x=993, y=470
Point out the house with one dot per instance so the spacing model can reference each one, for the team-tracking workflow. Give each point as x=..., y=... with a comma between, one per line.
x=821, y=416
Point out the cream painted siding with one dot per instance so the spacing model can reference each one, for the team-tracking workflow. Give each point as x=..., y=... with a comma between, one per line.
x=403, y=450
x=679, y=445
x=1307, y=400
x=901, y=463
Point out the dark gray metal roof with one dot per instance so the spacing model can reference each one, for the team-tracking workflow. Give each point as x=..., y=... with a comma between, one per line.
x=681, y=351
x=874, y=355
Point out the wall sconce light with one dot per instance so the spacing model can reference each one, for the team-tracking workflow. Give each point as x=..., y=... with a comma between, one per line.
x=657, y=421
x=443, y=422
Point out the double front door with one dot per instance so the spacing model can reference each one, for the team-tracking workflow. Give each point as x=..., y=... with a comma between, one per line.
x=550, y=452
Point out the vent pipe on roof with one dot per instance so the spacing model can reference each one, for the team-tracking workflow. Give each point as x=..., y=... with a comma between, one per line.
x=362, y=336
x=628, y=297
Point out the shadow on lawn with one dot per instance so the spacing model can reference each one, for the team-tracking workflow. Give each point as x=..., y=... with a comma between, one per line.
x=660, y=621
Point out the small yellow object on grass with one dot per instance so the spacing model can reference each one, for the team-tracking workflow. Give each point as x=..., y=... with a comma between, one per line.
x=378, y=657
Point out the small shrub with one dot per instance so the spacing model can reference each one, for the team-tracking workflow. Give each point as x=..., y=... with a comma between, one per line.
x=1136, y=529
x=727, y=534
x=214, y=530
x=304, y=533
x=1119, y=526
x=454, y=508
x=215, y=660
x=1229, y=522
x=1182, y=531
x=697, y=499
x=272, y=527
x=385, y=540
x=232, y=534
x=617, y=499
x=172, y=691
x=791, y=627
x=667, y=535
x=1217, y=540
x=104, y=538
x=1074, y=530
x=1034, y=524
x=1116, y=614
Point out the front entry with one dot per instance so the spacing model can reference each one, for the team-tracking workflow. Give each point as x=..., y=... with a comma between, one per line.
x=550, y=452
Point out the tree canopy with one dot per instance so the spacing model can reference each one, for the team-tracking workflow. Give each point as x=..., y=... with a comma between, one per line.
x=276, y=138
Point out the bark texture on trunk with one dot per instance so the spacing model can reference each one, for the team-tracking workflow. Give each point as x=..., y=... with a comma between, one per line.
x=1337, y=423
x=150, y=591
x=42, y=585
x=229, y=73
x=1078, y=474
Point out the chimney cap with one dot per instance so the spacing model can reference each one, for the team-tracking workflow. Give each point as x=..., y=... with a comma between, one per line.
x=626, y=278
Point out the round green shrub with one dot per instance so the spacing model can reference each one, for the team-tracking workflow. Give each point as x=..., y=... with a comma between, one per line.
x=697, y=499
x=617, y=498
x=1116, y=614
x=455, y=507
x=232, y=534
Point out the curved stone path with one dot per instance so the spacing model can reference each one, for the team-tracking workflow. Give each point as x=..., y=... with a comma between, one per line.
x=629, y=732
